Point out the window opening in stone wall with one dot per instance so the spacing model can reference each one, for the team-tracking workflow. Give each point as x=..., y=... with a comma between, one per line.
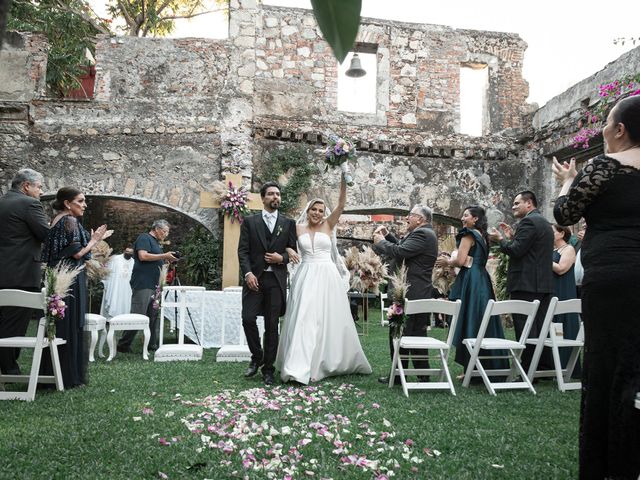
x=474, y=81
x=358, y=94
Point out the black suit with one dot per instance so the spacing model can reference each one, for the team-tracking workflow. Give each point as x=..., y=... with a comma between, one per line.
x=269, y=300
x=530, y=274
x=418, y=250
x=23, y=228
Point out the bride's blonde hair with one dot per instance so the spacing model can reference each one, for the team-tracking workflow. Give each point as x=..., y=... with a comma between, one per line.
x=313, y=202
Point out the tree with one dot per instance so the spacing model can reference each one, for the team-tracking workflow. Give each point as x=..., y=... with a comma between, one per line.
x=157, y=17
x=70, y=27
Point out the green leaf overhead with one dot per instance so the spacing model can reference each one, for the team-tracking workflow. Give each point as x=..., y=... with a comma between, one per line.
x=339, y=21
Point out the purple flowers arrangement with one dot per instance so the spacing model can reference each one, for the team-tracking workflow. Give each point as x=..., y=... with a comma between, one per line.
x=56, y=306
x=397, y=318
x=591, y=125
x=337, y=154
x=234, y=203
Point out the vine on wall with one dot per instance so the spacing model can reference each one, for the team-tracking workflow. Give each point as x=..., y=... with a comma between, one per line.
x=295, y=164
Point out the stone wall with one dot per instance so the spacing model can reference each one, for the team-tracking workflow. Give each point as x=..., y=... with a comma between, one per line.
x=418, y=73
x=170, y=117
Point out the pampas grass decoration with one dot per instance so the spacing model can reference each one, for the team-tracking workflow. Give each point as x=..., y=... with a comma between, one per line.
x=399, y=284
x=367, y=272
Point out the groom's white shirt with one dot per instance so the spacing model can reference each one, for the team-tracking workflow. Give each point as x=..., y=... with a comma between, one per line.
x=270, y=220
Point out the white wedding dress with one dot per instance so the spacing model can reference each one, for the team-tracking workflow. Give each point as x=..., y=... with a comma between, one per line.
x=318, y=337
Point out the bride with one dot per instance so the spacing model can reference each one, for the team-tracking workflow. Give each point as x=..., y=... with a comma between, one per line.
x=318, y=338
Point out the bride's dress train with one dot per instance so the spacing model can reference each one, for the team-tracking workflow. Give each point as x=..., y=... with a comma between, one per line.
x=318, y=337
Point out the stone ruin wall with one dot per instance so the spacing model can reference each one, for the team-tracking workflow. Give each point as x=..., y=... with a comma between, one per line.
x=170, y=116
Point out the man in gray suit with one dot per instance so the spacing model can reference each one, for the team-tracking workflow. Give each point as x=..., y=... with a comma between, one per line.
x=418, y=251
x=530, y=272
x=24, y=227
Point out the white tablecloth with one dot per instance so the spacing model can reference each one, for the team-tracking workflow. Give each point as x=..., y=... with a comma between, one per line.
x=222, y=318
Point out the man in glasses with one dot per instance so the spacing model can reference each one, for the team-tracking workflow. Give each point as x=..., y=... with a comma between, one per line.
x=418, y=251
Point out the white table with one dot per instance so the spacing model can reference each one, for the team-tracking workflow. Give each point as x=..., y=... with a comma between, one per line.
x=222, y=318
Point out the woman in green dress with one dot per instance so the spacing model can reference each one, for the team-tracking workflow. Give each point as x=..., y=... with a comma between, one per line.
x=564, y=287
x=472, y=285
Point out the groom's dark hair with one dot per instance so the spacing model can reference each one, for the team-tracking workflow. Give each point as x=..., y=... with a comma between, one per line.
x=263, y=189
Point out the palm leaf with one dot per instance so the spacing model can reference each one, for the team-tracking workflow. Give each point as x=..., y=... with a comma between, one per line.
x=339, y=21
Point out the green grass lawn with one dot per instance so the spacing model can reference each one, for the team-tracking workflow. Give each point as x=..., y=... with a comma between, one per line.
x=140, y=419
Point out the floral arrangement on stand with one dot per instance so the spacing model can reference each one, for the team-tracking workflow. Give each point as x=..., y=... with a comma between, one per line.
x=233, y=200
x=162, y=282
x=338, y=153
x=593, y=121
x=57, y=285
x=97, y=267
x=367, y=269
x=442, y=278
x=397, y=292
x=97, y=270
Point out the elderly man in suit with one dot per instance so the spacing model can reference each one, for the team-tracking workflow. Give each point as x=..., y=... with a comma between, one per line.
x=530, y=273
x=24, y=227
x=418, y=250
x=264, y=238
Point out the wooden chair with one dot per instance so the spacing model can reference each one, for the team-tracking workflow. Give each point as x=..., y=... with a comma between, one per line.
x=426, y=343
x=21, y=298
x=551, y=336
x=514, y=348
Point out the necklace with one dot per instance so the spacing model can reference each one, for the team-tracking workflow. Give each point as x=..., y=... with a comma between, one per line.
x=629, y=148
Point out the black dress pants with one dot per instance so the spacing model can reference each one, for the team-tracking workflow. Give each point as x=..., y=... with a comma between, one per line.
x=267, y=301
x=546, y=359
x=415, y=326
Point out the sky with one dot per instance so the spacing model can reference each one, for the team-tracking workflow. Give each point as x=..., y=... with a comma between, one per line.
x=568, y=40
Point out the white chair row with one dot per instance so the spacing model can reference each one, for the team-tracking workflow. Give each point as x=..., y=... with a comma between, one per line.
x=492, y=348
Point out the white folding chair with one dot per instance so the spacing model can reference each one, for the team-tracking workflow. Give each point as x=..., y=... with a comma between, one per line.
x=383, y=310
x=412, y=307
x=185, y=300
x=551, y=336
x=514, y=348
x=21, y=298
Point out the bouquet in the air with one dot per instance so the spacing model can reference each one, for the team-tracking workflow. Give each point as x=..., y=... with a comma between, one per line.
x=337, y=154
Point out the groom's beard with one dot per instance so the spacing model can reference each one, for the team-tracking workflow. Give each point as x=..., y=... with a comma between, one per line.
x=275, y=204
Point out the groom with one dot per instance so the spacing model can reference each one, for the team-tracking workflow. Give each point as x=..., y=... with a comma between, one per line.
x=263, y=259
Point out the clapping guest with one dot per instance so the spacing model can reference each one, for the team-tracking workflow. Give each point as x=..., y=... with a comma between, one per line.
x=418, y=251
x=605, y=193
x=564, y=286
x=68, y=242
x=472, y=285
x=530, y=251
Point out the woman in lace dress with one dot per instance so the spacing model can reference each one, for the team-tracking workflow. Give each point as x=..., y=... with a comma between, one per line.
x=605, y=193
x=318, y=337
x=68, y=242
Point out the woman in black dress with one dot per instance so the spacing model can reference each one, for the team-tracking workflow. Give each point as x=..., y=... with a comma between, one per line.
x=70, y=243
x=605, y=192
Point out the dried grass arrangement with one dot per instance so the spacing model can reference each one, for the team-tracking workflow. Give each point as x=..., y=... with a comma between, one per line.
x=97, y=267
x=368, y=271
